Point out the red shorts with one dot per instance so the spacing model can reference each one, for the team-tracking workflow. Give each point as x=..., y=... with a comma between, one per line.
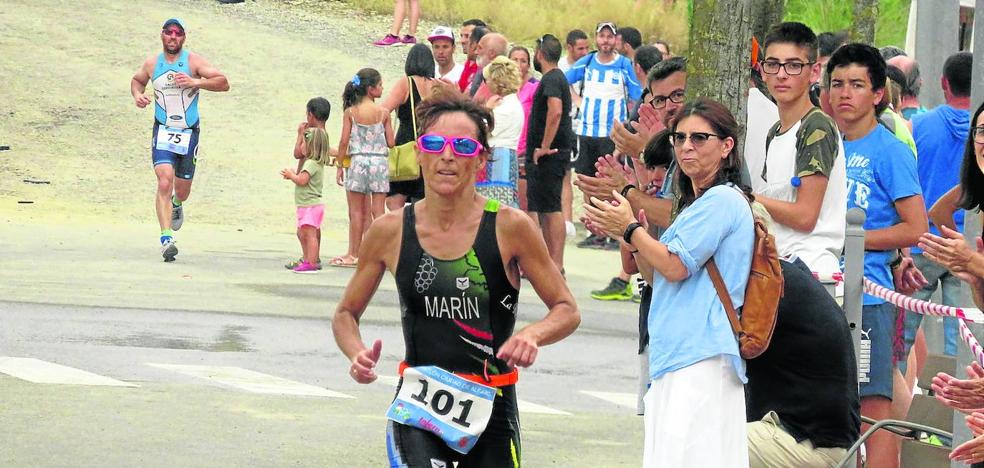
x=310, y=215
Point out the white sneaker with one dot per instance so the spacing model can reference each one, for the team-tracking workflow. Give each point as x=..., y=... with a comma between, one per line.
x=177, y=217
x=169, y=249
x=571, y=230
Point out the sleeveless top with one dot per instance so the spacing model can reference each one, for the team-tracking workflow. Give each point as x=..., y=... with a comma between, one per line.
x=405, y=133
x=174, y=106
x=456, y=313
x=368, y=140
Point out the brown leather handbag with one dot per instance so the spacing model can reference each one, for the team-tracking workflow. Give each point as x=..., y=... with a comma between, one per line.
x=765, y=287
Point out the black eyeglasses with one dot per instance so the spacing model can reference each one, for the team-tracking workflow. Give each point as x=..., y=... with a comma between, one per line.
x=792, y=68
x=697, y=138
x=978, y=133
x=659, y=102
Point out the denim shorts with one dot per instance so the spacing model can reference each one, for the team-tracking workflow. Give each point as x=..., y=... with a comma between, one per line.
x=875, y=365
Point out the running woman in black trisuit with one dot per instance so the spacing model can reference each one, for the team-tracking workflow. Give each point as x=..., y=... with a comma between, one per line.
x=455, y=256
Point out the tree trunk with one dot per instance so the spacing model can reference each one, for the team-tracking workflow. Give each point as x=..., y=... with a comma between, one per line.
x=718, y=61
x=865, y=18
x=766, y=14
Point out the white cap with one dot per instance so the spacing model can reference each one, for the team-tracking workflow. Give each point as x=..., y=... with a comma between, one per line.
x=441, y=32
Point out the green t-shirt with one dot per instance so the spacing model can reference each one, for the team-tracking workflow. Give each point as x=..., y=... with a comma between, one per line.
x=816, y=144
x=310, y=194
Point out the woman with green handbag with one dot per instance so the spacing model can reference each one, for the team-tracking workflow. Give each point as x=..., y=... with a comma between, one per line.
x=406, y=185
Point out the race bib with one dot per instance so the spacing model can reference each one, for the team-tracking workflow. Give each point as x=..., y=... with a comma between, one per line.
x=437, y=401
x=175, y=140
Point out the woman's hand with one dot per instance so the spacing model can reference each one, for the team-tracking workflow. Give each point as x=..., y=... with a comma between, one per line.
x=951, y=251
x=340, y=176
x=610, y=217
x=908, y=279
x=961, y=394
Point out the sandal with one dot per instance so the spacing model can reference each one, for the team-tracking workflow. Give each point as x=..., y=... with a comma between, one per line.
x=344, y=261
x=293, y=264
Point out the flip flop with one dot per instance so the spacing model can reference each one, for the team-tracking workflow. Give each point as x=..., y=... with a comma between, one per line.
x=341, y=262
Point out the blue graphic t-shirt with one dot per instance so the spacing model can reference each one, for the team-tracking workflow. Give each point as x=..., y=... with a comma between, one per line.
x=608, y=87
x=880, y=171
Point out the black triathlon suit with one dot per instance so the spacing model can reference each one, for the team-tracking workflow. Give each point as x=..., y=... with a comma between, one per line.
x=456, y=314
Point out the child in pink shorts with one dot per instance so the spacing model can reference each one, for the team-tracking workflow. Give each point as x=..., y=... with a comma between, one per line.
x=313, y=152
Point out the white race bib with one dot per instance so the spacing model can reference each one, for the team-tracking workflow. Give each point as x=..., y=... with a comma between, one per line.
x=435, y=400
x=175, y=140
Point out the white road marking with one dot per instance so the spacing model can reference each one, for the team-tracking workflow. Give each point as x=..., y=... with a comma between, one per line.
x=628, y=400
x=251, y=381
x=38, y=371
x=533, y=408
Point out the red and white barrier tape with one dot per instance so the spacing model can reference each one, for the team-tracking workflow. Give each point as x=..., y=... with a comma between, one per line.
x=928, y=308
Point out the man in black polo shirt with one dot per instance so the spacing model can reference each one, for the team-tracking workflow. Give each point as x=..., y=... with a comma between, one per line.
x=802, y=398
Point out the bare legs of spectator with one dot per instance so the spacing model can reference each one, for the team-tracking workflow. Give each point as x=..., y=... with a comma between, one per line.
x=363, y=209
x=567, y=198
x=552, y=225
x=882, y=446
x=400, y=12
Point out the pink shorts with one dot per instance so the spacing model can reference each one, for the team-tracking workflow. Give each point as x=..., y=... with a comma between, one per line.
x=310, y=215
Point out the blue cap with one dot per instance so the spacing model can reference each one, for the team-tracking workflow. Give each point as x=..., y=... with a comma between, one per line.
x=174, y=21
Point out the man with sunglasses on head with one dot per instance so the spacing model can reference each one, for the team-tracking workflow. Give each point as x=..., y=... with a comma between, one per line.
x=607, y=83
x=177, y=76
x=801, y=179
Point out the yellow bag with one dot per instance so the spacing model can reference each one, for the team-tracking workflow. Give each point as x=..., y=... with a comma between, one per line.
x=403, y=164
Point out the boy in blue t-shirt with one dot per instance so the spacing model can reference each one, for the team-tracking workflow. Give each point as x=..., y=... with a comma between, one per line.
x=882, y=181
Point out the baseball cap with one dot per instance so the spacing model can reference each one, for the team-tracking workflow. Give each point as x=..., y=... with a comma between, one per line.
x=606, y=24
x=441, y=32
x=175, y=22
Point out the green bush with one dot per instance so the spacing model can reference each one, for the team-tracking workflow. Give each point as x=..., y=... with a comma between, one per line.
x=524, y=20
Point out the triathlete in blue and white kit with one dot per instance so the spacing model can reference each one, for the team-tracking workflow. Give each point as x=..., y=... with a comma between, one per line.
x=177, y=76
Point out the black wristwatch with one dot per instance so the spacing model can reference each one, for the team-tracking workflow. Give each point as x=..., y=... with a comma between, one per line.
x=625, y=190
x=627, y=236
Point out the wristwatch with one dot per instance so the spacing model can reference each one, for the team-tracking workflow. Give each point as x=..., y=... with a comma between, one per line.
x=627, y=236
x=625, y=190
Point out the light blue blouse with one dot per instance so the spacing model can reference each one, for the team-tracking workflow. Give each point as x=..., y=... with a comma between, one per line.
x=687, y=322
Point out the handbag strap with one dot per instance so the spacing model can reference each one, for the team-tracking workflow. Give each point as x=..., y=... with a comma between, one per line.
x=413, y=107
x=722, y=292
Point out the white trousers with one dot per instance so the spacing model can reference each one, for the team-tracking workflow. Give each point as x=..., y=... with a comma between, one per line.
x=695, y=417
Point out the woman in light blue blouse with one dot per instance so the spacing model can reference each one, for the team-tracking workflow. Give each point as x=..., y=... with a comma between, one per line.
x=695, y=406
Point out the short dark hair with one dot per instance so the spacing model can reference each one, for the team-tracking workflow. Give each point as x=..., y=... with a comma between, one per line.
x=478, y=33
x=575, y=35
x=828, y=42
x=631, y=36
x=896, y=75
x=889, y=52
x=474, y=22
x=957, y=71
x=659, y=150
x=420, y=62
x=794, y=33
x=666, y=68
x=971, y=177
x=320, y=108
x=549, y=45
x=866, y=56
x=647, y=57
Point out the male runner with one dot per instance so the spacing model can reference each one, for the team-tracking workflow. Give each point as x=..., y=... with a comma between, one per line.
x=177, y=76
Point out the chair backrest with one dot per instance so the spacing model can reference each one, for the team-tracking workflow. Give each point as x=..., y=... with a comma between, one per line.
x=926, y=410
x=935, y=363
x=923, y=455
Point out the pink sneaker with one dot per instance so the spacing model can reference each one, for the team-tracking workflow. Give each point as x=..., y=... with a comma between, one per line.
x=305, y=267
x=388, y=41
x=409, y=40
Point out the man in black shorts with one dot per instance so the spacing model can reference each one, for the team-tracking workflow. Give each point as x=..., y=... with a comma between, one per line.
x=550, y=139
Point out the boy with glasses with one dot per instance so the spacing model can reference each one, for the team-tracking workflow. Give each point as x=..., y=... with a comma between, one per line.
x=801, y=180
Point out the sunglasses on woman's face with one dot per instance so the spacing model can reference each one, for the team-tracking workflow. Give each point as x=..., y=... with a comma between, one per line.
x=697, y=138
x=462, y=147
x=978, y=133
